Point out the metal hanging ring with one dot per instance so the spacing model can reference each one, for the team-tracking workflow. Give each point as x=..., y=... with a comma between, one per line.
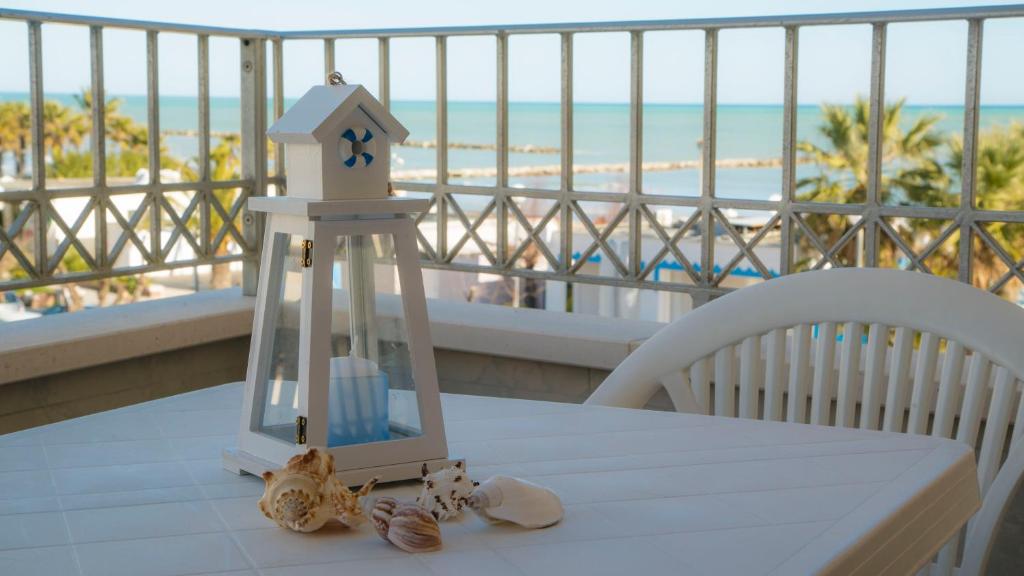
x=335, y=78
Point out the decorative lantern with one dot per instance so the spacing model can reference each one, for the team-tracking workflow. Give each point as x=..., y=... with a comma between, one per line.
x=341, y=357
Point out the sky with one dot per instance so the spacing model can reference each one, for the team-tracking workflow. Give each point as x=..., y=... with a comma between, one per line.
x=925, y=64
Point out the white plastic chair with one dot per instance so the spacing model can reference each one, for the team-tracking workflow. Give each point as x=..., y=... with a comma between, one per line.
x=777, y=342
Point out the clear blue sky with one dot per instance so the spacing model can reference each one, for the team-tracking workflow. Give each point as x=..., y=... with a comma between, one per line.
x=925, y=64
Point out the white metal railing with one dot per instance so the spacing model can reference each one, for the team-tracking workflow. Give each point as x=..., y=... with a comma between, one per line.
x=702, y=280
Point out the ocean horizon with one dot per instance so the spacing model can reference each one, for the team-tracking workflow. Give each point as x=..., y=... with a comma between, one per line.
x=671, y=132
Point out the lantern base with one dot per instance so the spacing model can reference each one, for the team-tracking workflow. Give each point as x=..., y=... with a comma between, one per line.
x=241, y=462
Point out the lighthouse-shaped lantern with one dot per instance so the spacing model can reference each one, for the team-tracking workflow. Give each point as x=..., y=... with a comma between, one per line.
x=341, y=357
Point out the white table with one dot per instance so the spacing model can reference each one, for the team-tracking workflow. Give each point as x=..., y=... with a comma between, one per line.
x=141, y=490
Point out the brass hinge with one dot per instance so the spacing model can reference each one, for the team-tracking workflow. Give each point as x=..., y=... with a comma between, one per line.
x=306, y=259
x=300, y=429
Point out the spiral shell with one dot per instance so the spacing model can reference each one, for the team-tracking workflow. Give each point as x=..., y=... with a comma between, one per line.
x=305, y=494
x=407, y=526
x=294, y=502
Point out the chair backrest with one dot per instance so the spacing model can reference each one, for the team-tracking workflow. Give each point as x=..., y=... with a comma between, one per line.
x=879, y=349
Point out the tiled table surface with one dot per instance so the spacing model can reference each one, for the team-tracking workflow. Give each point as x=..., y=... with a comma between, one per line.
x=141, y=490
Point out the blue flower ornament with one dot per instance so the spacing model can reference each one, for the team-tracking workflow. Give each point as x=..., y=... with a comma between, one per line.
x=357, y=147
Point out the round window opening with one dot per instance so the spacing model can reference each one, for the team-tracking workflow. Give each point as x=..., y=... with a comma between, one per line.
x=357, y=147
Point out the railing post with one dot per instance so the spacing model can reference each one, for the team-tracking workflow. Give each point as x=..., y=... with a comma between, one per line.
x=636, y=153
x=441, y=72
x=968, y=176
x=254, y=152
x=876, y=118
x=35, y=73
x=788, y=150
x=329, y=65
x=153, y=136
x=98, y=143
x=203, y=89
x=279, y=170
x=501, y=156
x=707, y=193
x=384, y=80
x=384, y=72
x=565, y=202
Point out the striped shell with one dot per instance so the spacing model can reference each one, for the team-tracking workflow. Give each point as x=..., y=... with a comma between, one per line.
x=407, y=526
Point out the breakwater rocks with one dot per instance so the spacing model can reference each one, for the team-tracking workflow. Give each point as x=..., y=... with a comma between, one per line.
x=612, y=168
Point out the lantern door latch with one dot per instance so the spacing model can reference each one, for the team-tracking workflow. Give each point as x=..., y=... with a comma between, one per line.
x=300, y=429
x=306, y=257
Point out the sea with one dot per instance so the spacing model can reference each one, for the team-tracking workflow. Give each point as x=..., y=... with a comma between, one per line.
x=671, y=132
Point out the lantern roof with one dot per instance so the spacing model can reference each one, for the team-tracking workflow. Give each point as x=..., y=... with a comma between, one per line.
x=312, y=119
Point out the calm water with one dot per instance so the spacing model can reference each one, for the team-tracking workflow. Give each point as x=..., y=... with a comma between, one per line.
x=671, y=132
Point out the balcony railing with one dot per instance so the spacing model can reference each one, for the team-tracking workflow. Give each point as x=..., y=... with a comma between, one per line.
x=450, y=230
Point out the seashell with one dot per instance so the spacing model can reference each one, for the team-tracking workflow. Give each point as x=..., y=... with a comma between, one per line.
x=445, y=492
x=305, y=494
x=380, y=516
x=503, y=498
x=407, y=526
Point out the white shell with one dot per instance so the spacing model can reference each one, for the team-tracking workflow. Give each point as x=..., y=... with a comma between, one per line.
x=503, y=498
x=445, y=492
x=305, y=494
x=407, y=526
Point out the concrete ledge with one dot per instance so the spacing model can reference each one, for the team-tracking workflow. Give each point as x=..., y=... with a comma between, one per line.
x=540, y=335
x=66, y=342
x=74, y=393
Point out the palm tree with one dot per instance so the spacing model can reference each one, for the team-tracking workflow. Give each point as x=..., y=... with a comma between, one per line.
x=63, y=126
x=120, y=129
x=130, y=139
x=999, y=185
x=15, y=132
x=914, y=171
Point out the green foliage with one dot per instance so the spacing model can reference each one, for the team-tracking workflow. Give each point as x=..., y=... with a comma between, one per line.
x=920, y=167
x=72, y=262
x=70, y=164
x=63, y=127
x=15, y=131
x=127, y=162
x=915, y=174
x=66, y=130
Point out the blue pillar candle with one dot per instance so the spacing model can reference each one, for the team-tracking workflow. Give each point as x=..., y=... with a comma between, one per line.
x=357, y=410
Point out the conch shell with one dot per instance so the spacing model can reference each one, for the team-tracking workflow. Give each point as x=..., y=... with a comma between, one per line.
x=305, y=494
x=407, y=526
x=503, y=498
x=445, y=492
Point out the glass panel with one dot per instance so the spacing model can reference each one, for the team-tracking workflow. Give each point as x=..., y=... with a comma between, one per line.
x=278, y=374
x=371, y=396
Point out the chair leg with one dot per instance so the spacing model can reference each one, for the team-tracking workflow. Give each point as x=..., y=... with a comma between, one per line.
x=947, y=557
x=677, y=384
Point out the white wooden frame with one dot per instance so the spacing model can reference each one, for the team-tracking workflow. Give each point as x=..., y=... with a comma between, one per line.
x=391, y=459
x=249, y=440
x=430, y=444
